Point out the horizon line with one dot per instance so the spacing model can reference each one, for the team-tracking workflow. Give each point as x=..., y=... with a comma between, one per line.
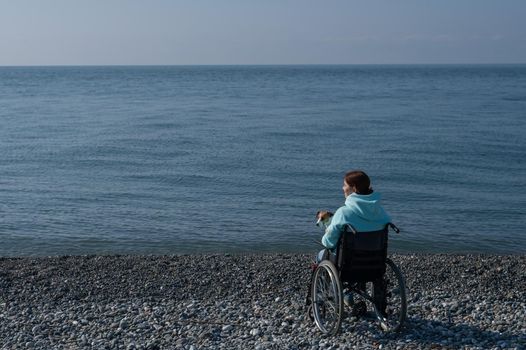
x=262, y=64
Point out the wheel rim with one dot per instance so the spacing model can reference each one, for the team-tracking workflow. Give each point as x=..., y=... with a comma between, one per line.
x=396, y=304
x=326, y=298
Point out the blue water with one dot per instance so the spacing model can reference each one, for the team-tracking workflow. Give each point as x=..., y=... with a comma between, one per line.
x=170, y=160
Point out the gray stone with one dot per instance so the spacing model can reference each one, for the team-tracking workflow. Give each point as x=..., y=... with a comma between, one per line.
x=123, y=324
x=227, y=328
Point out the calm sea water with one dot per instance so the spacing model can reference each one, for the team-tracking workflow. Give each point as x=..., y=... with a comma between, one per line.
x=169, y=160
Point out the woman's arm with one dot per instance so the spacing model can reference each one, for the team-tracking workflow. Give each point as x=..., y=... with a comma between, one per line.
x=334, y=230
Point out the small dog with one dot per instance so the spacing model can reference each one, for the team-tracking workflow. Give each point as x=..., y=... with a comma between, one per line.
x=323, y=218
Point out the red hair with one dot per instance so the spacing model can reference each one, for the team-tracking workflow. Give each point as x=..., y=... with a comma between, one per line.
x=359, y=180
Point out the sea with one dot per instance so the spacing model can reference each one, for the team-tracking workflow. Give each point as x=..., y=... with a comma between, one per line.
x=238, y=159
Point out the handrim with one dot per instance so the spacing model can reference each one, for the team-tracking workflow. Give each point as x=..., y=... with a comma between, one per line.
x=327, y=298
x=396, y=321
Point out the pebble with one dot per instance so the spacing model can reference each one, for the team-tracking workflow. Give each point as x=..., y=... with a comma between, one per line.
x=249, y=301
x=227, y=328
x=123, y=324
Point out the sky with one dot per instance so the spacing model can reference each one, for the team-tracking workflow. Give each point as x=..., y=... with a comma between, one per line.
x=151, y=32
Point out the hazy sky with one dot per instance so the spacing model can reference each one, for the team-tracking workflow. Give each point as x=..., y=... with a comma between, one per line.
x=94, y=32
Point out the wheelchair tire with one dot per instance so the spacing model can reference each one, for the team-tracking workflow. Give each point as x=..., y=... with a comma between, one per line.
x=327, y=298
x=391, y=308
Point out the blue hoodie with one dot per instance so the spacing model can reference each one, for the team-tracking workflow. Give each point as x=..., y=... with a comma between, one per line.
x=363, y=212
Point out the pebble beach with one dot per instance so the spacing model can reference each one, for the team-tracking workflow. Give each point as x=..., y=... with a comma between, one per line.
x=249, y=302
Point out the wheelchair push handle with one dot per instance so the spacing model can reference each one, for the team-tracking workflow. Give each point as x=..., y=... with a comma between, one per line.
x=318, y=243
x=351, y=229
x=393, y=226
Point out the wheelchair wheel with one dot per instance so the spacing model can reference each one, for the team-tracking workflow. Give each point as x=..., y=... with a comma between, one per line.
x=390, y=299
x=327, y=301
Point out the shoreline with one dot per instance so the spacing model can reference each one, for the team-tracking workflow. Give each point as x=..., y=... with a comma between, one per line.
x=242, y=253
x=255, y=301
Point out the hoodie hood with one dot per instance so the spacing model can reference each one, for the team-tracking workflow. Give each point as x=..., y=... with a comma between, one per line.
x=367, y=207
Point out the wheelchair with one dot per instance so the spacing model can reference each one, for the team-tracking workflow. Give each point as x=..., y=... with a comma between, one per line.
x=361, y=267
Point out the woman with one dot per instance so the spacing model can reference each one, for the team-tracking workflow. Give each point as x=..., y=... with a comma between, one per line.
x=363, y=211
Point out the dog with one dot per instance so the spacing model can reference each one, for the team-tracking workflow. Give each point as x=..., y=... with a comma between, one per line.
x=323, y=218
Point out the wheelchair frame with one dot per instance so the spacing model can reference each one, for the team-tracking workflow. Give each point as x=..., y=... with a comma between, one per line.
x=367, y=263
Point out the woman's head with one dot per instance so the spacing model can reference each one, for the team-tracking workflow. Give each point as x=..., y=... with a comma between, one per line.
x=356, y=181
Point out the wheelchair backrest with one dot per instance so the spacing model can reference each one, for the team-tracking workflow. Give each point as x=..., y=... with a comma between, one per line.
x=361, y=255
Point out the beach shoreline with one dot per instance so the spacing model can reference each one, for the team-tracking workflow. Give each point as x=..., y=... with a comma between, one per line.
x=255, y=301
